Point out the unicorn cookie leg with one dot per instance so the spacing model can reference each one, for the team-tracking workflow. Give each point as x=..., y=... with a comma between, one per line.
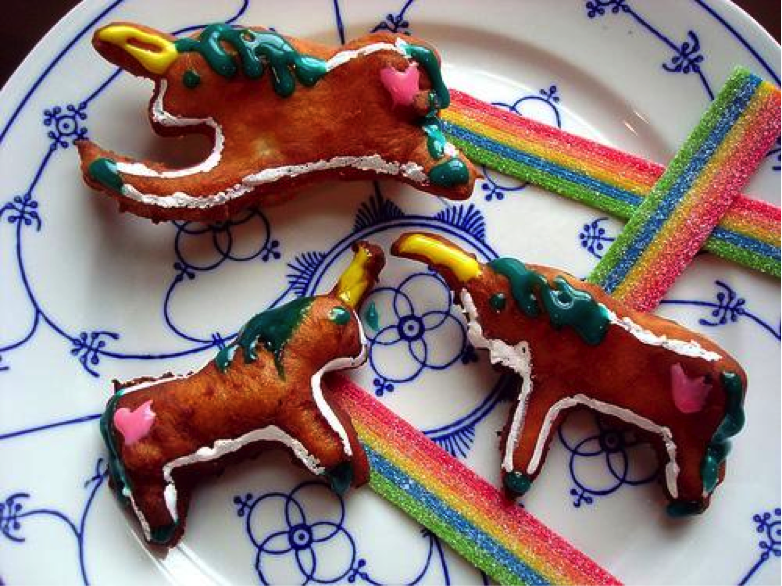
x=164, y=434
x=573, y=345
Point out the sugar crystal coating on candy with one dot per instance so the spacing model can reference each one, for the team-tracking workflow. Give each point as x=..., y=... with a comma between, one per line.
x=599, y=176
x=468, y=513
x=693, y=194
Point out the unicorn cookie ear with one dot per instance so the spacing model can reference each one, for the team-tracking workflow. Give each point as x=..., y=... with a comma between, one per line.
x=141, y=50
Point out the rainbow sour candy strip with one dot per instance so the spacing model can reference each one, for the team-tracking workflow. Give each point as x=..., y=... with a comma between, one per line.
x=600, y=176
x=465, y=511
x=697, y=188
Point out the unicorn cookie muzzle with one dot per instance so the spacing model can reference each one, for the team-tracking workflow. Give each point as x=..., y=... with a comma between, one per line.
x=281, y=113
x=264, y=389
x=573, y=345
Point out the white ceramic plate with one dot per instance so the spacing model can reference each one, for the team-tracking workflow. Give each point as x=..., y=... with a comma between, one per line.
x=88, y=295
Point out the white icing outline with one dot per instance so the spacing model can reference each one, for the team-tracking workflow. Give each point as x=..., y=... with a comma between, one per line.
x=374, y=163
x=341, y=363
x=680, y=347
x=343, y=57
x=153, y=382
x=222, y=447
x=671, y=467
x=163, y=118
x=519, y=359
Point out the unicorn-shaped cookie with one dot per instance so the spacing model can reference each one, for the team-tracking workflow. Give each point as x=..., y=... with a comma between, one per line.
x=281, y=113
x=573, y=345
x=265, y=388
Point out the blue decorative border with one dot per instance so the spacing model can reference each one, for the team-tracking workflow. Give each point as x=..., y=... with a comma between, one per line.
x=768, y=525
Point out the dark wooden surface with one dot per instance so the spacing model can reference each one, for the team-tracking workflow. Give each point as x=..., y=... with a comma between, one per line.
x=24, y=22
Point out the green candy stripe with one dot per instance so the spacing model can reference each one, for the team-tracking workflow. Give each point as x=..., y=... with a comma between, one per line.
x=548, y=181
x=622, y=210
x=454, y=538
x=743, y=256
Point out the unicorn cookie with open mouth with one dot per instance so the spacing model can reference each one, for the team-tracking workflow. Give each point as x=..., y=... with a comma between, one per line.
x=281, y=113
x=573, y=345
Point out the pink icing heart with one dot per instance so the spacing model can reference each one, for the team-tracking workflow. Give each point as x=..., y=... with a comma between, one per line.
x=134, y=425
x=402, y=85
x=689, y=393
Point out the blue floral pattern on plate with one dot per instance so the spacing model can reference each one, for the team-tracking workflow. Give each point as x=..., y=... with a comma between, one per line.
x=300, y=534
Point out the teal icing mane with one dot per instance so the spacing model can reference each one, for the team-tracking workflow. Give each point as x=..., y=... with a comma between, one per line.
x=564, y=304
x=272, y=328
x=731, y=424
x=255, y=50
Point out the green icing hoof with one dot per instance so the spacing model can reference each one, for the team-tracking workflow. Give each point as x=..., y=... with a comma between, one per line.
x=517, y=483
x=104, y=171
x=162, y=535
x=340, y=477
x=677, y=509
x=449, y=173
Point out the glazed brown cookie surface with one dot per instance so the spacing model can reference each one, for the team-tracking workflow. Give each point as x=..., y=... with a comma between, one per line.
x=263, y=390
x=573, y=345
x=282, y=113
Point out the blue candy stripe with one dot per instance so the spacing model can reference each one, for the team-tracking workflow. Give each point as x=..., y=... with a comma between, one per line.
x=666, y=205
x=541, y=164
x=476, y=535
x=737, y=239
x=746, y=242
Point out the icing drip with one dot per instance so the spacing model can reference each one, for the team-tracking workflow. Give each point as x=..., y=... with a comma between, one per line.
x=731, y=424
x=372, y=317
x=340, y=316
x=564, y=304
x=256, y=50
x=272, y=328
x=427, y=58
x=191, y=79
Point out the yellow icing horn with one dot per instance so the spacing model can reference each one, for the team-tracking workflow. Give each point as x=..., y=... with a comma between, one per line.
x=361, y=274
x=437, y=251
x=154, y=52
